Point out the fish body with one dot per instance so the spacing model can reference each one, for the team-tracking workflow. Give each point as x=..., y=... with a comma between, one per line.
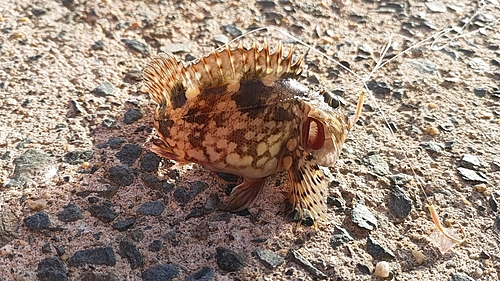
x=243, y=111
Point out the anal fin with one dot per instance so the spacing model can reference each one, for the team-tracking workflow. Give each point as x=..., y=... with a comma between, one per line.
x=244, y=195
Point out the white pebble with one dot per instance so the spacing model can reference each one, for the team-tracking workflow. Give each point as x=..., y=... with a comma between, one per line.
x=382, y=269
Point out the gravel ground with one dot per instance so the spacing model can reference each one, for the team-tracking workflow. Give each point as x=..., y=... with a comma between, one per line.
x=81, y=198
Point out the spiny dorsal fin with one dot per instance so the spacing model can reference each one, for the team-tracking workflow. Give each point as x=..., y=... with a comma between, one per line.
x=165, y=77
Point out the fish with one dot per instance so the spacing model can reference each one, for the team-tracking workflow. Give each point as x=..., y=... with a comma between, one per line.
x=244, y=111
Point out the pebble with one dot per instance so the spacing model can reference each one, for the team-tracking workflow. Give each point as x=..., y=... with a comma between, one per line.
x=419, y=256
x=98, y=45
x=461, y=277
x=9, y=226
x=232, y=30
x=471, y=175
x=52, y=269
x=491, y=200
x=29, y=165
x=470, y=161
x=103, y=212
x=129, y=154
x=70, y=213
x=340, y=236
x=221, y=39
x=130, y=251
x=150, y=162
x=399, y=203
x=423, y=66
x=204, y=274
x=124, y=225
x=132, y=115
x=181, y=195
x=197, y=187
x=213, y=203
x=105, y=89
x=382, y=269
x=37, y=205
x=113, y=143
x=229, y=260
x=380, y=88
x=479, y=64
x=59, y=250
x=155, y=246
x=153, y=208
x=136, y=46
x=133, y=76
x=103, y=255
x=163, y=272
x=377, y=164
x=46, y=248
x=77, y=157
x=433, y=131
x=37, y=222
x=482, y=91
x=432, y=146
x=121, y=175
x=92, y=276
x=436, y=7
x=299, y=259
x=363, y=218
x=480, y=187
x=176, y=48
x=268, y=258
x=377, y=251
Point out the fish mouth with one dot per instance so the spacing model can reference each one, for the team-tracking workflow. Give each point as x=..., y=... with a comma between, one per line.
x=313, y=134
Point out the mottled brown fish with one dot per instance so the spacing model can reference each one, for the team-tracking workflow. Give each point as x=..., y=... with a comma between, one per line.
x=242, y=111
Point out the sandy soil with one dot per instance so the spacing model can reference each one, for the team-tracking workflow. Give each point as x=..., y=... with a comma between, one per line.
x=54, y=54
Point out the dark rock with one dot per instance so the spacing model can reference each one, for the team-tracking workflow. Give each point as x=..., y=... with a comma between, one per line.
x=128, y=154
x=363, y=268
x=461, y=277
x=37, y=221
x=472, y=175
x=152, y=181
x=150, y=162
x=380, y=88
x=496, y=162
x=98, y=45
x=391, y=7
x=46, y=248
x=483, y=91
x=181, y=195
x=229, y=260
x=24, y=142
x=470, y=162
x=133, y=76
x=103, y=255
x=70, y=213
x=124, y=225
x=399, y=203
x=448, y=127
x=228, y=177
x=299, y=259
x=484, y=255
x=9, y=227
x=491, y=200
x=103, y=212
x=153, y=208
x=38, y=12
x=303, y=217
x=213, y=203
x=30, y=165
x=448, y=145
x=121, y=175
x=268, y=259
x=172, y=237
x=204, y=274
x=113, y=143
x=195, y=213
x=340, y=237
x=377, y=164
x=77, y=157
x=75, y=109
x=52, y=269
x=137, y=235
x=136, y=46
x=363, y=218
x=431, y=146
x=377, y=251
x=92, y=276
x=132, y=254
x=110, y=123
x=132, y=115
x=232, y=30
x=59, y=250
x=105, y=89
x=197, y=187
x=155, y=246
x=163, y=272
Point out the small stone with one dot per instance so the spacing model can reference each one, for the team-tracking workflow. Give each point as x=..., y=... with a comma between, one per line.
x=419, y=256
x=221, y=39
x=433, y=131
x=482, y=91
x=197, y=187
x=46, y=248
x=377, y=164
x=92, y=276
x=434, y=147
x=77, y=157
x=363, y=268
x=124, y=225
x=232, y=30
x=59, y=250
x=103, y=212
x=137, y=235
x=162, y=272
x=195, y=213
x=382, y=269
x=129, y=154
x=136, y=46
x=37, y=221
x=423, y=66
x=176, y=48
x=34, y=165
x=70, y=213
x=52, y=269
x=132, y=115
x=9, y=227
x=37, y=205
x=98, y=45
x=153, y=208
x=133, y=76
x=380, y=88
x=150, y=162
x=340, y=236
x=496, y=162
x=268, y=258
x=155, y=246
x=470, y=162
x=363, y=218
x=103, y=255
x=299, y=259
x=491, y=200
x=471, y=175
x=448, y=127
x=121, y=175
x=377, y=251
x=461, y=277
x=132, y=254
x=436, y=7
x=113, y=143
x=399, y=203
x=365, y=48
x=181, y=195
x=480, y=187
x=204, y=274
x=229, y=260
x=213, y=203
x=105, y=89
x=479, y=64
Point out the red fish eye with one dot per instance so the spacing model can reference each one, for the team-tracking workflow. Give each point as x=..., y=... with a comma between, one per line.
x=313, y=134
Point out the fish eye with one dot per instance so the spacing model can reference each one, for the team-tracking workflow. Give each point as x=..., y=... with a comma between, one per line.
x=331, y=100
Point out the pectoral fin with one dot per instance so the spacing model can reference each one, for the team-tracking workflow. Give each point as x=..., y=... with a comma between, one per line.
x=244, y=195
